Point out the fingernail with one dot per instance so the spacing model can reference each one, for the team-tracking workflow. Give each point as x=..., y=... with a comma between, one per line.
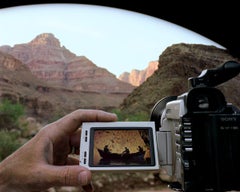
x=83, y=178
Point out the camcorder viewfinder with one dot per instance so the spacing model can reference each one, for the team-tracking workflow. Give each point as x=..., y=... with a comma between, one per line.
x=198, y=134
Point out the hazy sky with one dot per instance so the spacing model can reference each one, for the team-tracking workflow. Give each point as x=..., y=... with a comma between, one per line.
x=116, y=39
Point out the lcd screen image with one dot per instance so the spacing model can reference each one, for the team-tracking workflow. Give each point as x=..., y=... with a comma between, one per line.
x=121, y=147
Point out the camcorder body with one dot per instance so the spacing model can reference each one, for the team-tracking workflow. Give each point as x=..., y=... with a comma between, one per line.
x=198, y=134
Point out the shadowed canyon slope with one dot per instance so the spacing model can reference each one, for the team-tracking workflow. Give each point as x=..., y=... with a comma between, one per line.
x=177, y=63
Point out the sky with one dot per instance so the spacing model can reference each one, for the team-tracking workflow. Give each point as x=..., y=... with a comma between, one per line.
x=116, y=39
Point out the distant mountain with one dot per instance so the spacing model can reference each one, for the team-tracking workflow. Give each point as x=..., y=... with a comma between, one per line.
x=43, y=100
x=50, y=61
x=178, y=63
x=137, y=77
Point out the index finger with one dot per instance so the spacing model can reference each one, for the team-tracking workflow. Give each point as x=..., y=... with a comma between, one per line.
x=71, y=122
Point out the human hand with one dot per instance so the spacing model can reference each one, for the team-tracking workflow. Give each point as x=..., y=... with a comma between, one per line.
x=44, y=161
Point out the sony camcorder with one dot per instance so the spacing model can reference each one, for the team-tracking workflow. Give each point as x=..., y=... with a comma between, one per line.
x=195, y=137
x=198, y=134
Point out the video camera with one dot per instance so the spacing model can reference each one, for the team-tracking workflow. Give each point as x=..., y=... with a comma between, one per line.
x=198, y=134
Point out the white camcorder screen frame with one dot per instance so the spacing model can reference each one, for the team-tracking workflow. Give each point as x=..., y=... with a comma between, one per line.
x=139, y=137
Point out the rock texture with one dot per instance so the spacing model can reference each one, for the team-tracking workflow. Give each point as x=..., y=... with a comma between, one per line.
x=137, y=77
x=50, y=61
x=41, y=99
x=178, y=63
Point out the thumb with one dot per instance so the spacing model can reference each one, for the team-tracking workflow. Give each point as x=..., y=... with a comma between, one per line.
x=69, y=176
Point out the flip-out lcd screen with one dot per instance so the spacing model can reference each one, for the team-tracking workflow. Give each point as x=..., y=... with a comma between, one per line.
x=119, y=146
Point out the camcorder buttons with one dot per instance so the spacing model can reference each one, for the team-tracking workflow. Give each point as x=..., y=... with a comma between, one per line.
x=187, y=135
x=86, y=136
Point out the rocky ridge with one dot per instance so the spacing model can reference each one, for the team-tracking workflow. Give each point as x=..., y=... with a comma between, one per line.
x=137, y=77
x=50, y=61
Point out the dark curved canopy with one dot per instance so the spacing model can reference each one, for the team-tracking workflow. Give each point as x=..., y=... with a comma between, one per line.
x=218, y=22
